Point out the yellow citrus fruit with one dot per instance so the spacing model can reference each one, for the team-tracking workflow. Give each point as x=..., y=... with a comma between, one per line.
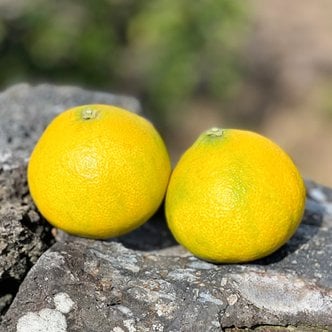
x=98, y=171
x=234, y=196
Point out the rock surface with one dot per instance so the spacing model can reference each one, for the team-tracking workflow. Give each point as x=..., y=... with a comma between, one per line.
x=144, y=281
x=24, y=112
x=86, y=285
x=23, y=235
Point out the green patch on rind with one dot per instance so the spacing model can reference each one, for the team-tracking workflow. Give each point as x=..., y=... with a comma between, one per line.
x=212, y=136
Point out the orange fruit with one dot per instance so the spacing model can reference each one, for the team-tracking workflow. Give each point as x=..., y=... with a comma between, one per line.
x=234, y=196
x=98, y=171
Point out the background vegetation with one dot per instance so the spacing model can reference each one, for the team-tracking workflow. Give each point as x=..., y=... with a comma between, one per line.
x=163, y=51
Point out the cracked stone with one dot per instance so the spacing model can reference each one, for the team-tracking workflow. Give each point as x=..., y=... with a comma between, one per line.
x=116, y=288
x=144, y=281
x=25, y=111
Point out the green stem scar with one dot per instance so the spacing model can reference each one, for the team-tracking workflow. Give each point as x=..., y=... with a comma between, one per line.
x=89, y=114
x=216, y=132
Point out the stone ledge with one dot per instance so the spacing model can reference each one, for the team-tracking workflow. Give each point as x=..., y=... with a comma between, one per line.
x=25, y=111
x=143, y=281
x=113, y=288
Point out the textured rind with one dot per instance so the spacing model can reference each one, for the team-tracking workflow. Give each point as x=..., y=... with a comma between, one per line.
x=25, y=110
x=235, y=197
x=103, y=166
x=143, y=281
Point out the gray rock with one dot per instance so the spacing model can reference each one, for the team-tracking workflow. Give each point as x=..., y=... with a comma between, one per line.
x=24, y=112
x=23, y=234
x=142, y=281
x=86, y=285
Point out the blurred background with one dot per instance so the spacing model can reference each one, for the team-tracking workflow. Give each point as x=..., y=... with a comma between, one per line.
x=258, y=65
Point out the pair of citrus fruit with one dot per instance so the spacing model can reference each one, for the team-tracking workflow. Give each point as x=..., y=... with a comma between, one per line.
x=100, y=171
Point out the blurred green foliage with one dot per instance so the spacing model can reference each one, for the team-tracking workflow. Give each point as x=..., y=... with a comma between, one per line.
x=163, y=51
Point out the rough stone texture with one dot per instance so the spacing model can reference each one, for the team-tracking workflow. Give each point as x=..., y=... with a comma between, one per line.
x=105, y=286
x=24, y=112
x=143, y=281
x=23, y=235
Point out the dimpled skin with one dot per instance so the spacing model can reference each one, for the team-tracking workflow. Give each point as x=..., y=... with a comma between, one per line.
x=98, y=171
x=234, y=196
